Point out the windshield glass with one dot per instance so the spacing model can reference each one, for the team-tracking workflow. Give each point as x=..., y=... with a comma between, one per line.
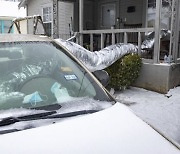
x=39, y=74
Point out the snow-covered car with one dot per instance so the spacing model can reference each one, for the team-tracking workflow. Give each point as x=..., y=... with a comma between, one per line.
x=50, y=103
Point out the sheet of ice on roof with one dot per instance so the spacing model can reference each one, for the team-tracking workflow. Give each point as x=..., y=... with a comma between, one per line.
x=99, y=60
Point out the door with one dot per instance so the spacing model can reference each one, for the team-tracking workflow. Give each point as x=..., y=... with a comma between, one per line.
x=108, y=15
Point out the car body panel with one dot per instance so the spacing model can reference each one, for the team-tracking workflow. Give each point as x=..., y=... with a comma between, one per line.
x=22, y=37
x=113, y=130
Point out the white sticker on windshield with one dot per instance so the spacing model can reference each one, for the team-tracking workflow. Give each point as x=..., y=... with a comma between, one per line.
x=70, y=77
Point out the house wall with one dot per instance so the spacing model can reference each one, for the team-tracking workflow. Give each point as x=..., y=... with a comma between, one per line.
x=65, y=14
x=92, y=13
x=137, y=17
x=65, y=19
x=35, y=8
x=131, y=17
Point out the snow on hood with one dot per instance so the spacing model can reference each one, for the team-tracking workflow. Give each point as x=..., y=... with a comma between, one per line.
x=113, y=130
x=77, y=104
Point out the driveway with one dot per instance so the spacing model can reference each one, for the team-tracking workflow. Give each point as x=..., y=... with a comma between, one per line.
x=159, y=110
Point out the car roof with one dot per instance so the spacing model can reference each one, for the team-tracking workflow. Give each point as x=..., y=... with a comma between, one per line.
x=22, y=38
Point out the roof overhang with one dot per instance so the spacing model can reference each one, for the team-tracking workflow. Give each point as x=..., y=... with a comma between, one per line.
x=23, y=3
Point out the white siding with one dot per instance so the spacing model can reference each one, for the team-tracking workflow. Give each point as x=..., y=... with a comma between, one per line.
x=65, y=13
x=35, y=8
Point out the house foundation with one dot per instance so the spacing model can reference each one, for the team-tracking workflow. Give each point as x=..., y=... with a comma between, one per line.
x=158, y=77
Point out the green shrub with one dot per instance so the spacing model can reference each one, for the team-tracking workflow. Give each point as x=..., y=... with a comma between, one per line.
x=124, y=71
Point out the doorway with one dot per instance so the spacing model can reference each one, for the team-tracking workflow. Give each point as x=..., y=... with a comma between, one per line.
x=108, y=15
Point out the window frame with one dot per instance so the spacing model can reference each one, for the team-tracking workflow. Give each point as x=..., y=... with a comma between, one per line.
x=51, y=17
x=152, y=4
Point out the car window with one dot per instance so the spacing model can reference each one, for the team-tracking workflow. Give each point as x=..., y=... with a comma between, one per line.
x=34, y=74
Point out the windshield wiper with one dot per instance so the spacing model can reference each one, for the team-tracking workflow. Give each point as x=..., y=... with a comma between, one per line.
x=44, y=115
x=12, y=120
x=8, y=131
x=71, y=114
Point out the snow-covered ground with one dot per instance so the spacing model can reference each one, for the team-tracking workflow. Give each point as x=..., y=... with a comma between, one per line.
x=159, y=110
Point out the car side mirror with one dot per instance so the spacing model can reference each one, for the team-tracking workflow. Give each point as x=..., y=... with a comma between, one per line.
x=102, y=76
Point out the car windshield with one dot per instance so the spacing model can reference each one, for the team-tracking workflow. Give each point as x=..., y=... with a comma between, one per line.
x=39, y=74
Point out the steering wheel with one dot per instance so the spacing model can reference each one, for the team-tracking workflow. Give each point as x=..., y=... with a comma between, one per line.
x=40, y=83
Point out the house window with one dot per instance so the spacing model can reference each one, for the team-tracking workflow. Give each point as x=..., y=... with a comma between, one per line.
x=47, y=20
x=165, y=13
x=4, y=26
x=152, y=3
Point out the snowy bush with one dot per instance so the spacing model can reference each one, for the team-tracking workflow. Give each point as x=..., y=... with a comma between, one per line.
x=124, y=71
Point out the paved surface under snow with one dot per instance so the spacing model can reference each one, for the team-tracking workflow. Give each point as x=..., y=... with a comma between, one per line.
x=159, y=110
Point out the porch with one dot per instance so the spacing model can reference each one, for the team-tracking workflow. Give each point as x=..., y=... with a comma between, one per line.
x=102, y=23
x=155, y=75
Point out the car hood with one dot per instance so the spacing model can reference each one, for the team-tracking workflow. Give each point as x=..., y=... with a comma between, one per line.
x=113, y=130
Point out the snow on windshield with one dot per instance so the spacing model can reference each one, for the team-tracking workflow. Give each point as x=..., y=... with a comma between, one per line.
x=78, y=104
